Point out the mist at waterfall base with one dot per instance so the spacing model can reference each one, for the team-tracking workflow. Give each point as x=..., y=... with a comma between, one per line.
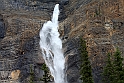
x=51, y=46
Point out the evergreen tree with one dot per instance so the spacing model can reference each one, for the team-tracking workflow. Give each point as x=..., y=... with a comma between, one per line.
x=108, y=71
x=31, y=74
x=118, y=73
x=85, y=71
x=46, y=76
x=113, y=72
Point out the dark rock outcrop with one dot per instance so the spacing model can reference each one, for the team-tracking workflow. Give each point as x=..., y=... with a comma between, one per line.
x=99, y=22
x=2, y=28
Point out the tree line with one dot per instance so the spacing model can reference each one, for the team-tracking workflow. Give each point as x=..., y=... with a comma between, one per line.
x=113, y=71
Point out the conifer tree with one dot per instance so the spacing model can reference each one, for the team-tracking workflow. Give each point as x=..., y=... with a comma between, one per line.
x=108, y=71
x=113, y=72
x=118, y=73
x=46, y=76
x=85, y=71
x=31, y=74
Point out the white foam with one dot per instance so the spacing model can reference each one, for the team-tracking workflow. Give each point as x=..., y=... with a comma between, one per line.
x=51, y=46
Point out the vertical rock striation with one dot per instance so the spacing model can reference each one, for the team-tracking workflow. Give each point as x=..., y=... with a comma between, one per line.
x=99, y=22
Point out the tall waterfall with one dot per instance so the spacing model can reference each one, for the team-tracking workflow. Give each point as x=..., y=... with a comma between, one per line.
x=51, y=46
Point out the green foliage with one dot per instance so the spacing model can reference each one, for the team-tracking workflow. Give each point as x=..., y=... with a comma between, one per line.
x=85, y=71
x=118, y=69
x=108, y=70
x=113, y=71
x=31, y=75
x=46, y=76
x=97, y=11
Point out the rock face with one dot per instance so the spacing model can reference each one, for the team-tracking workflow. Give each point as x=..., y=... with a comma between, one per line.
x=99, y=22
x=15, y=74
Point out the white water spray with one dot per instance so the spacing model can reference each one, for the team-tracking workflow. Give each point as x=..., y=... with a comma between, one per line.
x=51, y=46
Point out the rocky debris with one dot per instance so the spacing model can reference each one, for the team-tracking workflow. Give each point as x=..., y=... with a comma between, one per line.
x=15, y=74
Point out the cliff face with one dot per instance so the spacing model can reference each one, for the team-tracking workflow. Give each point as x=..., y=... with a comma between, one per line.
x=99, y=22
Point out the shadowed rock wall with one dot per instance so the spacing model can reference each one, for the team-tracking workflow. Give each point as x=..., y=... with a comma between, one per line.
x=19, y=49
x=2, y=28
x=99, y=22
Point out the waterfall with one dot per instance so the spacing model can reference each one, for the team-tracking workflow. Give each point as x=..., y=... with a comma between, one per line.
x=51, y=46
